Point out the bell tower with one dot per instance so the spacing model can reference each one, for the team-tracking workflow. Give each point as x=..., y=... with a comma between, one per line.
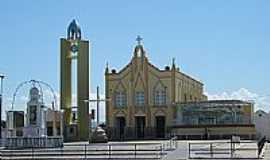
x=73, y=48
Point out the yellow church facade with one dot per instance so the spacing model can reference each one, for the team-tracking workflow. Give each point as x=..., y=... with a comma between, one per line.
x=143, y=97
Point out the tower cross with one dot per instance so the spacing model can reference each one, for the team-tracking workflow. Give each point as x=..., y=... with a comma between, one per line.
x=139, y=39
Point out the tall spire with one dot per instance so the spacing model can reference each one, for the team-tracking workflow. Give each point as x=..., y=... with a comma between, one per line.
x=107, y=68
x=173, y=63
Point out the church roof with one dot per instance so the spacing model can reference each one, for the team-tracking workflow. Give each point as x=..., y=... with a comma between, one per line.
x=139, y=48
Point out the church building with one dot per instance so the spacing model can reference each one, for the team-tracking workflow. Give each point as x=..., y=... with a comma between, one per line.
x=143, y=97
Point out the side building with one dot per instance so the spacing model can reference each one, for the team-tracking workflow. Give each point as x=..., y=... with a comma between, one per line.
x=215, y=119
x=262, y=123
x=143, y=97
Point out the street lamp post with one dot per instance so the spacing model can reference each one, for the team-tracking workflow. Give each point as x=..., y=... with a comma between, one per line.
x=1, y=97
x=98, y=100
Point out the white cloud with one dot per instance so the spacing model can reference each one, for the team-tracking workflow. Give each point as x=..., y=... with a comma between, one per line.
x=261, y=101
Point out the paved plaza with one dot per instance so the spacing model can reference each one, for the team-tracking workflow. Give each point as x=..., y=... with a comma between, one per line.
x=220, y=150
x=144, y=150
x=83, y=150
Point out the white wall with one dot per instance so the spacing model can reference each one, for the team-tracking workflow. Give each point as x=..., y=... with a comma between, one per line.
x=262, y=124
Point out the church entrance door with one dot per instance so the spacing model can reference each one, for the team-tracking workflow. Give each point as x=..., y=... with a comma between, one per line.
x=140, y=126
x=121, y=124
x=160, y=127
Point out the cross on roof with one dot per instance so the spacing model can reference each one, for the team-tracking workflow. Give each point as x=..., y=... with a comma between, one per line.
x=139, y=39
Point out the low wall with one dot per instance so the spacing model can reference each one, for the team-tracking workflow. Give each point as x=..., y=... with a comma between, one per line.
x=130, y=133
x=33, y=142
x=214, y=131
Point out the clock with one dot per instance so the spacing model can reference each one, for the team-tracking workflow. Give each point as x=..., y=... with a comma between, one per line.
x=74, y=48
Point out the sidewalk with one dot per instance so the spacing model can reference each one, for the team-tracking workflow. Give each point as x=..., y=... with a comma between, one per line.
x=179, y=154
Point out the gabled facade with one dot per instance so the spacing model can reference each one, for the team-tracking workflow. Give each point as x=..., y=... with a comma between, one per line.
x=142, y=96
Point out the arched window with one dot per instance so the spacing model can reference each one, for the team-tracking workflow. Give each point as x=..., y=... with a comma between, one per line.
x=120, y=99
x=159, y=94
x=160, y=97
x=140, y=98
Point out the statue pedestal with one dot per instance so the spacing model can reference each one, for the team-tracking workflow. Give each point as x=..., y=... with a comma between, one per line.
x=99, y=136
x=33, y=142
x=34, y=131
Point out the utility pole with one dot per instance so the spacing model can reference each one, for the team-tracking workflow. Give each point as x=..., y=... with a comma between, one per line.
x=98, y=101
x=1, y=99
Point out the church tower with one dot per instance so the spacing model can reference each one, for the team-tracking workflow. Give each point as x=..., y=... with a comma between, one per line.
x=73, y=48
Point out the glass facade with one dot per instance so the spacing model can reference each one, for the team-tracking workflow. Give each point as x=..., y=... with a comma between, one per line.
x=215, y=113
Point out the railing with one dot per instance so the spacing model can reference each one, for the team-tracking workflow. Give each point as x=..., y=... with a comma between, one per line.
x=88, y=151
x=171, y=144
x=2, y=141
x=224, y=150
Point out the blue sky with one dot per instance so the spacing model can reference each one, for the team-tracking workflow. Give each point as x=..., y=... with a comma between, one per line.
x=223, y=43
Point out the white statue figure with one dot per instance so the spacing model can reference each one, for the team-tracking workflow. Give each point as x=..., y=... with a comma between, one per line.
x=35, y=116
